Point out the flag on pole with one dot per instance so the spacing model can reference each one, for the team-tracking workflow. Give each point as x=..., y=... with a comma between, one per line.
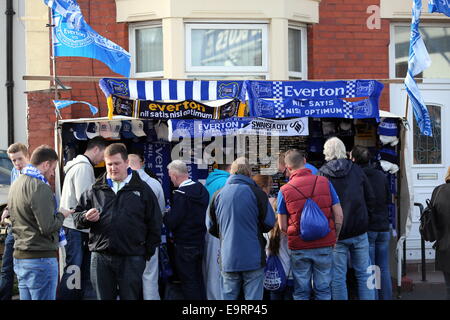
x=441, y=6
x=60, y=104
x=73, y=37
x=418, y=61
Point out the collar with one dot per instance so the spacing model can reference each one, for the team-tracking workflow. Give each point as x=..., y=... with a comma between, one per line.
x=300, y=173
x=92, y=164
x=185, y=183
x=109, y=181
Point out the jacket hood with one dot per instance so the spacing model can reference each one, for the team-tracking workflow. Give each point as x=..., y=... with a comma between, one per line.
x=216, y=175
x=337, y=168
x=240, y=179
x=197, y=192
x=77, y=160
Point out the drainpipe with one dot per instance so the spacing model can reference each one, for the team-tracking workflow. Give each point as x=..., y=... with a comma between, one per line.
x=9, y=70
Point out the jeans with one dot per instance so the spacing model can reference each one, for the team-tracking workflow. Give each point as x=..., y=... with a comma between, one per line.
x=7, y=271
x=75, y=283
x=358, y=247
x=312, y=265
x=150, y=278
x=379, y=256
x=188, y=263
x=251, y=281
x=447, y=283
x=114, y=275
x=38, y=278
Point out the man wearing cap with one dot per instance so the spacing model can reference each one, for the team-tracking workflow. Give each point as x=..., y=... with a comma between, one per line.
x=79, y=176
x=125, y=220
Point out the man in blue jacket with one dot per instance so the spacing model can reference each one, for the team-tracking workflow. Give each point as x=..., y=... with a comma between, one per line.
x=186, y=221
x=211, y=268
x=240, y=213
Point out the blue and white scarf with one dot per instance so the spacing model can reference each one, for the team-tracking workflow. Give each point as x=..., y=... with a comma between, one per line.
x=33, y=172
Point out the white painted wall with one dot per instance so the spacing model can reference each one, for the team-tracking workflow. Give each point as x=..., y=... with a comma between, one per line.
x=20, y=102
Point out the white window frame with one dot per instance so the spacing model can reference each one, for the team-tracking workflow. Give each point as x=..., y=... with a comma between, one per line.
x=392, y=50
x=204, y=70
x=132, y=39
x=304, y=52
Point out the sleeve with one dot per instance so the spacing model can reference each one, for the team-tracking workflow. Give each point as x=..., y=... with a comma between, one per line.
x=43, y=208
x=281, y=205
x=154, y=224
x=369, y=195
x=177, y=211
x=211, y=222
x=83, y=179
x=388, y=192
x=334, y=195
x=269, y=220
x=84, y=204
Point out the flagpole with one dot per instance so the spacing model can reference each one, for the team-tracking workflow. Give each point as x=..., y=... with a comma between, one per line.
x=53, y=58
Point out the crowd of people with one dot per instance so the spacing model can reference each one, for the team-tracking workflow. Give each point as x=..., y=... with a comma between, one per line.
x=111, y=233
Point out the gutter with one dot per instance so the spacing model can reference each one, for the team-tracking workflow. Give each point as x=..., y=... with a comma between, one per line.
x=9, y=70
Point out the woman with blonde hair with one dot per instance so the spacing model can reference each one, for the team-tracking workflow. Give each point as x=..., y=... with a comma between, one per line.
x=441, y=203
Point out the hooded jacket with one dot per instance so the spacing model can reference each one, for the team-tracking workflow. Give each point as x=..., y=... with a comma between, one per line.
x=216, y=180
x=440, y=200
x=239, y=226
x=379, y=218
x=130, y=221
x=79, y=176
x=186, y=218
x=355, y=194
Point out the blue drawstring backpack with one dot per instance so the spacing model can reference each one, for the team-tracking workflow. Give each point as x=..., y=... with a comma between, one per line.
x=274, y=276
x=313, y=222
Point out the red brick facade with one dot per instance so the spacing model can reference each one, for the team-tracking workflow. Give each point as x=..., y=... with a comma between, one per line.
x=340, y=46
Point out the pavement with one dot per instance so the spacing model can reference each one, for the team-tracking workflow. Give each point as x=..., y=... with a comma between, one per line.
x=413, y=288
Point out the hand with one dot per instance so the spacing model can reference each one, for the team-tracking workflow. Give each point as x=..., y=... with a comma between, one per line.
x=92, y=215
x=5, y=215
x=66, y=212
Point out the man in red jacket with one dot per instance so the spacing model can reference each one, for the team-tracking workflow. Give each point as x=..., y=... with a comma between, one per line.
x=311, y=260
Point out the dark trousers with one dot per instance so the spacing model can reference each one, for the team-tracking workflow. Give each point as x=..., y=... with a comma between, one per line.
x=114, y=276
x=188, y=262
x=75, y=282
x=7, y=272
x=447, y=283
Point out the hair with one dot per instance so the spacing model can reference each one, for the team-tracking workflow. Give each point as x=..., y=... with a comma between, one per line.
x=333, y=149
x=137, y=156
x=43, y=153
x=263, y=181
x=98, y=142
x=179, y=166
x=361, y=155
x=224, y=166
x=281, y=158
x=447, y=176
x=117, y=148
x=241, y=166
x=294, y=158
x=18, y=147
x=274, y=239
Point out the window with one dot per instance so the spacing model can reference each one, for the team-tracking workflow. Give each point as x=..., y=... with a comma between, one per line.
x=437, y=41
x=146, y=49
x=226, y=48
x=428, y=150
x=297, y=53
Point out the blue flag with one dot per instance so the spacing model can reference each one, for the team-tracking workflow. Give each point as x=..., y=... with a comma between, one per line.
x=441, y=6
x=59, y=104
x=418, y=61
x=73, y=37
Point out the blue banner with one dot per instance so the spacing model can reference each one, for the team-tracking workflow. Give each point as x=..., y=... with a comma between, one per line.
x=73, y=37
x=157, y=157
x=275, y=99
x=418, y=61
x=176, y=90
x=60, y=104
x=441, y=6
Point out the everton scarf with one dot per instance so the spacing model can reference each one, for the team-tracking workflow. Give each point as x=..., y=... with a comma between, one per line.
x=33, y=172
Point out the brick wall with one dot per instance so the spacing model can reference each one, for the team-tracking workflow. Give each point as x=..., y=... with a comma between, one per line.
x=341, y=46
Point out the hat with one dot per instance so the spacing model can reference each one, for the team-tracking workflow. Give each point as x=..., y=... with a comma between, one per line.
x=137, y=127
x=105, y=130
x=126, y=130
x=162, y=131
x=93, y=130
x=79, y=131
x=388, y=127
x=115, y=129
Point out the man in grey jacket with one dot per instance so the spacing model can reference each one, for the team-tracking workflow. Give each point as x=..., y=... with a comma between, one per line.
x=75, y=282
x=36, y=227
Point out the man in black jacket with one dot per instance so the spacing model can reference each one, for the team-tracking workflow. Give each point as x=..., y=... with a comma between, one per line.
x=124, y=218
x=186, y=221
x=357, y=200
x=379, y=230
